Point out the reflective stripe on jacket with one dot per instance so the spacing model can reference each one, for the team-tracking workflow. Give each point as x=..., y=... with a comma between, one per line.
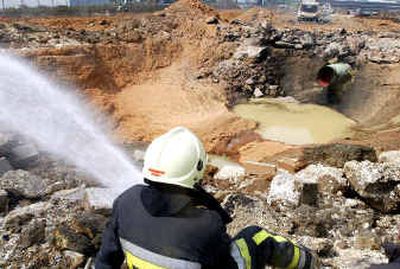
x=164, y=227
x=254, y=248
x=138, y=257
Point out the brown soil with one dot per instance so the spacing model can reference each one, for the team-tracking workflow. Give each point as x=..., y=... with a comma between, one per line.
x=149, y=84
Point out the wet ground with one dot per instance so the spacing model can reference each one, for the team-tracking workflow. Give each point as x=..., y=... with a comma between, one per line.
x=295, y=123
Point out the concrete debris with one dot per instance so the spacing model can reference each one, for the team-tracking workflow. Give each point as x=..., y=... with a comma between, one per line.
x=89, y=224
x=392, y=157
x=258, y=93
x=378, y=183
x=329, y=179
x=305, y=187
x=33, y=233
x=354, y=258
x=251, y=52
x=232, y=173
x=23, y=183
x=322, y=246
x=283, y=191
x=291, y=164
x=337, y=155
x=100, y=200
x=76, y=194
x=262, y=170
x=67, y=239
x=338, y=212
x=19, y=216
x=74, y=259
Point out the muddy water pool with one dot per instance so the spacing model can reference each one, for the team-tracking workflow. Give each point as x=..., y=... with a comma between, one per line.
x=285, y=120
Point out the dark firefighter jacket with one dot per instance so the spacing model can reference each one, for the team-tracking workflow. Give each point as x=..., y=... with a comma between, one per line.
x=168, y=226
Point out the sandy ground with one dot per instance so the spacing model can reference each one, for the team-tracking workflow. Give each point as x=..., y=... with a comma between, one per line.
x=162, y=91
x=171, y=97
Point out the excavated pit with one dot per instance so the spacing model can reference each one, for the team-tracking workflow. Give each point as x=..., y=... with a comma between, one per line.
x=190, y=65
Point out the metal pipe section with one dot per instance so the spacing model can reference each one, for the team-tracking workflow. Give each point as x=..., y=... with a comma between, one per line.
x=332, y=74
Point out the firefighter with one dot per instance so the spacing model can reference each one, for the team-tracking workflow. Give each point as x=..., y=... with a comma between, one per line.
x=173, y=223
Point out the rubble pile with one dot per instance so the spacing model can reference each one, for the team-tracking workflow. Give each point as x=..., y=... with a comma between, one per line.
x=340, y=200
x=256, y=67
x=340, y=212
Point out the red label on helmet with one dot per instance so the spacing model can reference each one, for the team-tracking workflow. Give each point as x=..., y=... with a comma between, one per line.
x=156, y=172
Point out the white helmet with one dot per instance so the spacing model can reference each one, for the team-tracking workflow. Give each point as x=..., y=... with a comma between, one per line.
x=177, y=157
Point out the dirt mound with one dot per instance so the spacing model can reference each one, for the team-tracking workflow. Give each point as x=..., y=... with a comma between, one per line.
x=192, y=6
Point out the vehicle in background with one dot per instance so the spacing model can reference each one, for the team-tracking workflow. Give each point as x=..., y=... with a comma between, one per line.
x=309, y=11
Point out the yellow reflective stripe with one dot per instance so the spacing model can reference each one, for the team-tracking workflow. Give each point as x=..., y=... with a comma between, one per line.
x=244, y=251
x=262, y=235
x=259, y=237
x=280, y=239
x=135, y=262
x=296, y=258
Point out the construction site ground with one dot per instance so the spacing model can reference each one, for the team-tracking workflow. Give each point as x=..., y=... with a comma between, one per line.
x=189, y=65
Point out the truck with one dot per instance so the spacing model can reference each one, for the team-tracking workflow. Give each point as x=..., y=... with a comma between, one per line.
x=309, y=10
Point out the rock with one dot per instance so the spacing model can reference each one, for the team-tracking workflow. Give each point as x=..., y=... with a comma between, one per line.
x=309, y=194
x=251, y=52
x=283, y=191
x=233, y=200
x=338, y=154
x=354, y=258
x=322, y=246
x=291, y=164
x=104, y=22
x=100, y=200
x=392, y=157
x=67, y=239
x=21, y=215
x=307, y=40
x=212, y=20
x=262, y=170
x=378, y=183
x=283, y=45
x=5, y=166
x=305, y=187
x=273, y=90
x=23, y=183
x=249, y=81
x=232, y=173
x=3, y=202
x=258, y=93
x=237, y=21
x=24, y=155
x=298, y=46
x=74, y=259
x=33, y=233
x=366, y=240
x=91, y=225
x=76, y=194
x=328, y=179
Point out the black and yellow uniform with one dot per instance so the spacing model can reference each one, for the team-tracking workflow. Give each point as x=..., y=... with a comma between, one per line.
x=163, y=226
x=255, y=248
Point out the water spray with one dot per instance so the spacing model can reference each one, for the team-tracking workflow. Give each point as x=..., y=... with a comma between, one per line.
x=59, y=123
